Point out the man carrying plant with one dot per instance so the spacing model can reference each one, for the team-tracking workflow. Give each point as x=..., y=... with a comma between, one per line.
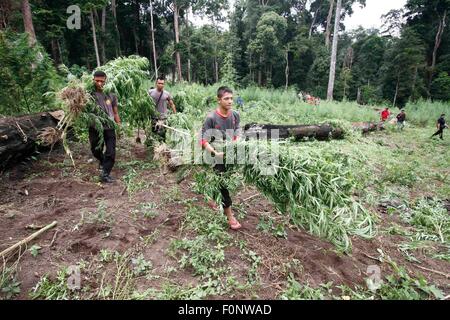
x=222, y=124
x=161, y=99
x=441, y=125
x=108, y=104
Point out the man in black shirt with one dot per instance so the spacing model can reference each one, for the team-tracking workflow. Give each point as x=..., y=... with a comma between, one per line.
x=108, y=104
x=441, y=125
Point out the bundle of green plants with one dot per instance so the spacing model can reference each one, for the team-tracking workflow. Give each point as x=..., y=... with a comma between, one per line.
x=127, y=78
x=315, y=186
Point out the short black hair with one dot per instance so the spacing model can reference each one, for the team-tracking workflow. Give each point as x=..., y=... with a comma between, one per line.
x=443, y=115
x=99, y=73
x=161, y=77
x=222, y=90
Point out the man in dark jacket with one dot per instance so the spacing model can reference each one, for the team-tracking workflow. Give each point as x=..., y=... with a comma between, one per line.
x=441, y=125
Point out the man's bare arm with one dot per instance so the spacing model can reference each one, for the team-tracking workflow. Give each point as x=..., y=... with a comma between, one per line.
x=210, y=149
x=116, y=115
x=172, y=105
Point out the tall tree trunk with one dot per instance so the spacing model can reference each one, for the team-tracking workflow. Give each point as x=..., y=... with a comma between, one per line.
x=28, y=22
x=5, y=11
x=313, y=23
x=250, y=67
x=334, y=51
x=188, y=47
x=260, y=71
x=437, y=44
x=155, y=65
x=413, y=88
x=114, y=12
x=55, y=53
x=396, y=92
x=94, y=36
x=216, y=69
x=59, y=51
x=328, y=30
x=103, y=36
x=136, y=41
x=216, y=63
x=206, y=72
x=177, y=39
x=286, y=71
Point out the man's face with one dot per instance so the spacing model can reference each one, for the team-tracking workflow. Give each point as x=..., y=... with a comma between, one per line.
x=160, y=85
x=99, y=82
x=226, y=102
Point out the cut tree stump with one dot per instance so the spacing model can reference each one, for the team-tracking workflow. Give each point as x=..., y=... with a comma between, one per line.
x=19, y=135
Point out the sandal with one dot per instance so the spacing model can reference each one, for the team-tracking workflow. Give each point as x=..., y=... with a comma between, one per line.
x=234, y=224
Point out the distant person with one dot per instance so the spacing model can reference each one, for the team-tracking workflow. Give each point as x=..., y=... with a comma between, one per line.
x=401, y=118
x=441, y=125
x=307, y=97
x=161, y=98
x=385, y=114
x=108, y=104
x=240, y=101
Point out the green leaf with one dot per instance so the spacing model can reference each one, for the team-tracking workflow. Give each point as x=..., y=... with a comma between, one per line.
x=35, y=250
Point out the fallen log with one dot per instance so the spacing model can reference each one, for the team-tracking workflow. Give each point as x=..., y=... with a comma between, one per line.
x=22, y=136
x=367, y=127
x=300, y=132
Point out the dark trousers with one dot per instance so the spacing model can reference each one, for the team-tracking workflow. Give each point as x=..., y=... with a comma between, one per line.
x=108, y=157
x=440, y=132
x=226, y=199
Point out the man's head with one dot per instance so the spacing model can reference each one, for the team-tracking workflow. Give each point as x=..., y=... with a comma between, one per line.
x=225, y=97
x=387, y=108
x=160, y=82
x=99, y=80
x=403, y=111
x=442, y=115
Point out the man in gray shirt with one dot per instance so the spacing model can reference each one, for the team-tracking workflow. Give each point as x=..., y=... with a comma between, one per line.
x=161, y=99
x=222, y=123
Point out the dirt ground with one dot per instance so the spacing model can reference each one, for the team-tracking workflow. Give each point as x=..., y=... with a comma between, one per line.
x=50, y=189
